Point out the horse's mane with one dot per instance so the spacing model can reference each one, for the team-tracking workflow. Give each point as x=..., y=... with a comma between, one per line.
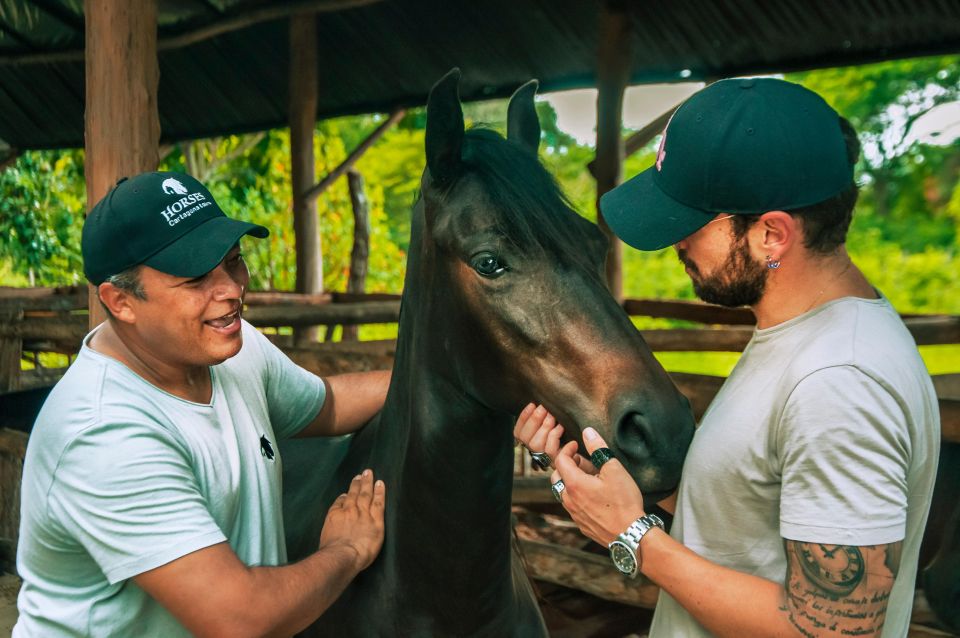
x=530, y=205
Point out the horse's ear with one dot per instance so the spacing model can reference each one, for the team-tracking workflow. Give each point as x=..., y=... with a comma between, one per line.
x=444, y=137
x=523, y=126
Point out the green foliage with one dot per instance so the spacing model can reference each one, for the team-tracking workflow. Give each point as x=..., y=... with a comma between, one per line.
x=904, y=234
x=42, y=201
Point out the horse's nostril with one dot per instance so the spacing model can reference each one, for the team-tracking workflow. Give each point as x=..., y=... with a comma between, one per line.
x=633, y=436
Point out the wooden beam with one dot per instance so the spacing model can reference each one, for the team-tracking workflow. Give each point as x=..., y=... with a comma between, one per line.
x=122, y=123
x=46, y=299
x=285, y=298
x=949, y=419
x=344, y=356
x=317, y=189
x=732, y=339
x=689, y=311
x=70, y=329
x=328, y=314
x=303, y=80
x=613, y=73
x=11, y=351
x=532, y=490
x=264, y=13
x=640, y=138
x=934, y=330
x=13, y=447
x=590, y=573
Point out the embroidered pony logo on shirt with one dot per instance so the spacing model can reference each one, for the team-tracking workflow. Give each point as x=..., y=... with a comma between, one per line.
x=266, y=449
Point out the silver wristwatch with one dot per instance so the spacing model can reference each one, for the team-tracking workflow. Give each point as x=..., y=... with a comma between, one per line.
x=623, y=551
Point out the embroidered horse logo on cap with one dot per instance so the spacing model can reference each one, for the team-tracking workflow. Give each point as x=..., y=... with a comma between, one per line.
x=171, y=186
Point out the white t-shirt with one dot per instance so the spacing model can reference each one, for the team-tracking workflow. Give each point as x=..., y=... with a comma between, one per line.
x=828, y=431
x=121, y=477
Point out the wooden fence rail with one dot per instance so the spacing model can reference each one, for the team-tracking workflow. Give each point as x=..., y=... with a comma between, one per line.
x=55, y=320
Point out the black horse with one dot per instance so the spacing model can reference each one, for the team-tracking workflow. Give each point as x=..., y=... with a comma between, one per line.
x=504, y=302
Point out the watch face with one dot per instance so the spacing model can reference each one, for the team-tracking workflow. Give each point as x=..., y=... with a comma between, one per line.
x=622, y=557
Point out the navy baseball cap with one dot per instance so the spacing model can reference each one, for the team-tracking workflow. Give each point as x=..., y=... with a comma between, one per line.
x=741, y=146
x=168, y=221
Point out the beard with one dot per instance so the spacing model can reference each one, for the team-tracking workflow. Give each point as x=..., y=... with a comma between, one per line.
x=740, y=281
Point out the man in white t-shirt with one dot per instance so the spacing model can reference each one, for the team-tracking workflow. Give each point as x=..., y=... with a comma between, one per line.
x=806, y=488
x=151, y=495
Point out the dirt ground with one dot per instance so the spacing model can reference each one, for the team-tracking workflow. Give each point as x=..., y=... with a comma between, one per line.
x=9, y=586
x=569, y=614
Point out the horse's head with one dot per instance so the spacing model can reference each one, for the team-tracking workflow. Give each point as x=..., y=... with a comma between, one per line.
x=510, y=282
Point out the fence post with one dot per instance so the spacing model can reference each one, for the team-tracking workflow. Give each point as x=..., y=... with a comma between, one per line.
x=11, y=350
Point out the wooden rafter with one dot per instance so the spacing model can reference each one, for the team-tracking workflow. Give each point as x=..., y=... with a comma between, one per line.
x=270, y=11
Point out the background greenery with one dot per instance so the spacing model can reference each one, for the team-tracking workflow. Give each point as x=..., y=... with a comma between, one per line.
x=904, y=234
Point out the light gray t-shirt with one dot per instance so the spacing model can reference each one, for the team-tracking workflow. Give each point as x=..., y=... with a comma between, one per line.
x=121, y=477
x=827, y=431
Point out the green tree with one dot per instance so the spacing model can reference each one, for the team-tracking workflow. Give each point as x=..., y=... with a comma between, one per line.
x=42, y=201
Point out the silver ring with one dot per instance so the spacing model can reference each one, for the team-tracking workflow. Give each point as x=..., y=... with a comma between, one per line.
x=557, y=489
x=540, y=460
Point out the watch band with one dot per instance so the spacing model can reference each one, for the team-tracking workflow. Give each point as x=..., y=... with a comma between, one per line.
x=641, y=526
x=637, y=530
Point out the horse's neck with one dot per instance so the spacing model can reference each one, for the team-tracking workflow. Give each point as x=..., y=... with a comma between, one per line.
x=453, y=486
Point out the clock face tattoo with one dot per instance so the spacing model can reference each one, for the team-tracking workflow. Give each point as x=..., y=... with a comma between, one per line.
x=837, y=569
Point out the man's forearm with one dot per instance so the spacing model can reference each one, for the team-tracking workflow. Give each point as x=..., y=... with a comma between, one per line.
x=725, y=601
x=304, y=589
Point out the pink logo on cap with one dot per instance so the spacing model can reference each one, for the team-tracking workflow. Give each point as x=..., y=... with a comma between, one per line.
x=662, y=151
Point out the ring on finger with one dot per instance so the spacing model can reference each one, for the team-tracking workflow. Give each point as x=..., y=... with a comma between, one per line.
x=557, y=489
x=600, y=456
x=540, y=460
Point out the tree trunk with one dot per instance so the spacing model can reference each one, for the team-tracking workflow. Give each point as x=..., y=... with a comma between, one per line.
x=361, y=244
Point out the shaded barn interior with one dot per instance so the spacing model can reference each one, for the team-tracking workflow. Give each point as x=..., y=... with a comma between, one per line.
x=223, y=62
x=225, y=66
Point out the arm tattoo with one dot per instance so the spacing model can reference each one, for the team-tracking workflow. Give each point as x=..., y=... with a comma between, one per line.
x=839, y=589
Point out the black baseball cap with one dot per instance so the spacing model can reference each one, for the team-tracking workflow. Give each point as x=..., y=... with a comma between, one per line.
x=741, y=146
x=168, y=221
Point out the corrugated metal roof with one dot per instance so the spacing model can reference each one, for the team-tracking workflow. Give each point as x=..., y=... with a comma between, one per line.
x=380, y=55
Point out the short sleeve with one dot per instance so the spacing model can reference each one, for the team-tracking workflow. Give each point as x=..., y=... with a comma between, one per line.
x=844, y=451
x=294, y=395
x=127, y=494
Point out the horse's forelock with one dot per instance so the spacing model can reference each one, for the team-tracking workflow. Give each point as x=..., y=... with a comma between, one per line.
x=532, y=211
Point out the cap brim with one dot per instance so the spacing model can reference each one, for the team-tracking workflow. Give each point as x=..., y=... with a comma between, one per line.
x=199, y=251
x=645, y=217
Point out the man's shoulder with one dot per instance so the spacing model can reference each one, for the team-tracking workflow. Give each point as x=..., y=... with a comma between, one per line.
x=862, y=333
x=94, y=397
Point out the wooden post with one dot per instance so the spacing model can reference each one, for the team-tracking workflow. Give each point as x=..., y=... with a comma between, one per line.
x=122, y=120
x=360, y=252
x=11, y=350
x=613, y=73
x=303, y=116
x=13, y=447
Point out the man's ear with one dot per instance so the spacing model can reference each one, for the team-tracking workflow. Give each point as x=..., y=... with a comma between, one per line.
x=118, y=302
x=776, y=234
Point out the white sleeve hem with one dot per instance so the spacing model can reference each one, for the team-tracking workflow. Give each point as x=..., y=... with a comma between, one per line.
x=843, y=536
x=169, y=554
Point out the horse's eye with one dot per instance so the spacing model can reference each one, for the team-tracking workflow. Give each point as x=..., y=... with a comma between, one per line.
x=486, y=264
